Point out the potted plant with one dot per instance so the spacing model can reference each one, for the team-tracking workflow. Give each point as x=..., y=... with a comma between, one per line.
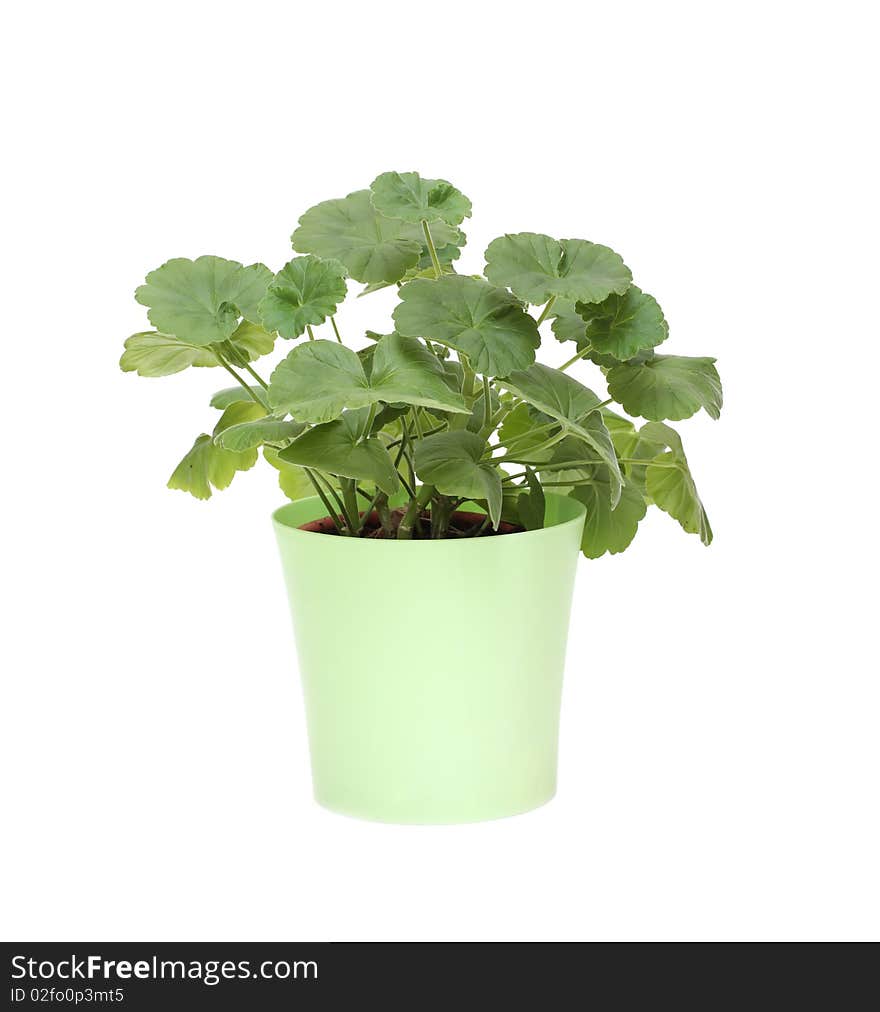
x=440, y=480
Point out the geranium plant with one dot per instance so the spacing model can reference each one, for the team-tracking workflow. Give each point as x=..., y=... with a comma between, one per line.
x=447, y=404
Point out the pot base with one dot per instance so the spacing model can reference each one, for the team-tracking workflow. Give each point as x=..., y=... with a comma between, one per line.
x=434, y=819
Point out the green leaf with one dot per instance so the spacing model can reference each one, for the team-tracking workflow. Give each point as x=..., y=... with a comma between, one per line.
x=537, y=268
x=531, y=505
x=669, y=482
x=478, y=412
x=247, y=435
x=153, y=354
x=483, y=322
x=607, y=527
x=304, y=292
x=373, y=248
x=518, y=429
x=404, y=371
x=230, y=395
x=237, y=414
x=340, y=448
x=201, y=301
x=568, y=325
x=561, y=397
x=425, y=267
x=407, y=196
x=667, y=386
x=447, y=255
x=248, y=343
x=206, y=464
x=317, y=380
x=452, y=461
x=292, y=479
x=624, y=325
x=622, y=431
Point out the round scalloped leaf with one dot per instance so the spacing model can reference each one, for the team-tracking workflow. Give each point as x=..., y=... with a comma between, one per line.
x=452, y=461
x=406, y=195
x=669, y=483
x=624, y=325
x=317, y=381
x=622, y=431
x=538, y=268
x=403, y=371
x=320, y=378
x=606, y=529
x=292, y=479
x=232, y=395
x=521, y=435
x=151, y=353
x=425, y=267
x=339, y=447
x=201, y=301
x=208, y=465
x=249, y=342
x=671, y=487
x=560, y=396
x=483, y=322
x=667, y=387
x=568, y=325
x=373, y=248
x=303, y=293
x=248, y=435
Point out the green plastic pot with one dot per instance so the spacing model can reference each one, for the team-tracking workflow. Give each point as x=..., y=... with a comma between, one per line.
x=432, y=670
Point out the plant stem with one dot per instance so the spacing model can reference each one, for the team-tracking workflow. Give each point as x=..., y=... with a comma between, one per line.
x=487, y=402
x=311, y=332
x=561, y=465
x=513, y=443
x=435, y=260
x=340, y=506
x=409, y=486
x=257, y=377
x=475, y=532
x=310, y=474
x=368, y=425
x=545, y=311
x=238, y=379
x=552, y=441
x=385, y=515
x=649, y=460
x=336, y=329
x=428, y=432
x=349, y=498
x=495, y=421
x=373, y=503
x=584, y=351
x=415, y=507
x=400, y=454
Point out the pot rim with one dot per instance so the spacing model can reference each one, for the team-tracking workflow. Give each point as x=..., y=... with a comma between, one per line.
x=577, y=516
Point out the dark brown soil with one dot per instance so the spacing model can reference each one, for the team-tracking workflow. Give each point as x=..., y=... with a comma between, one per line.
x=461, y=525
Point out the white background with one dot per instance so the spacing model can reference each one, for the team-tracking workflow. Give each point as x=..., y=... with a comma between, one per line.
x=719, y=758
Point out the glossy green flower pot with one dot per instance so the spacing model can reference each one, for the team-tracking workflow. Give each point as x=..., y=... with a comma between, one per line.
x=432, y=670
